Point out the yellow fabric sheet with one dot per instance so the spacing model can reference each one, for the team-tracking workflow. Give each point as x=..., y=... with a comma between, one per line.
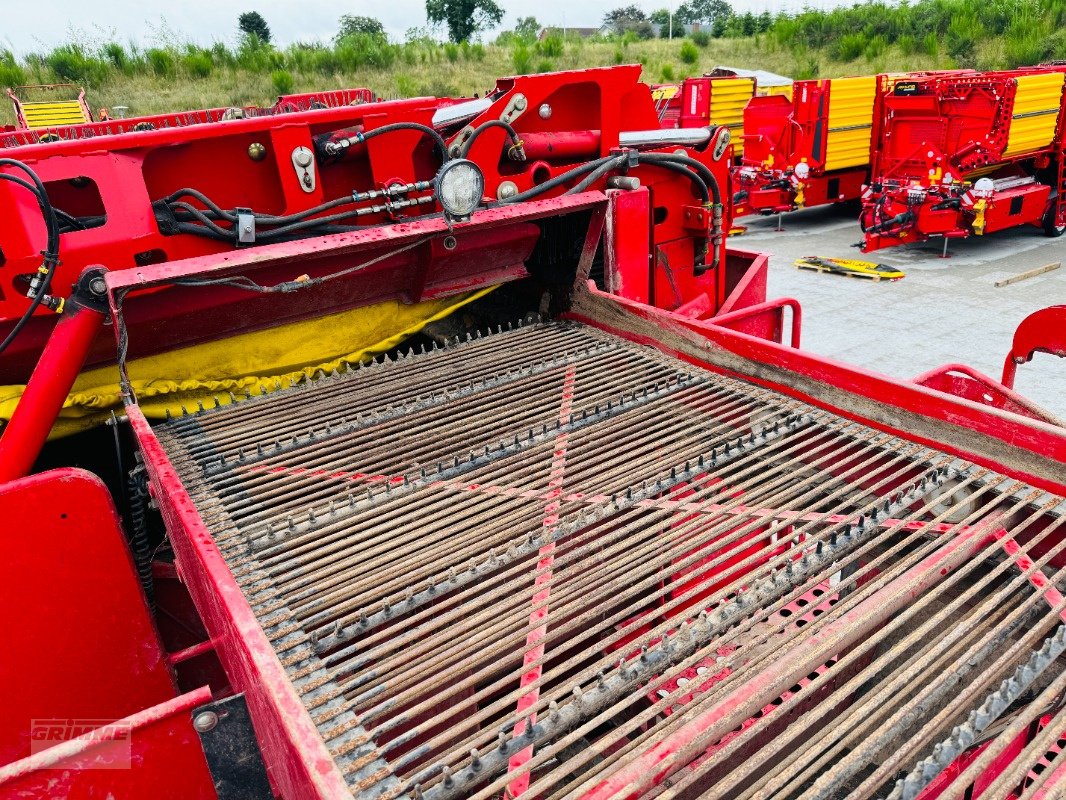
x=244, y=363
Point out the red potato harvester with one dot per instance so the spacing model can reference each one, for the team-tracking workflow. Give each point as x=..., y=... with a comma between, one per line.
x=556, y=540
x=808, y=151
x=965, y=154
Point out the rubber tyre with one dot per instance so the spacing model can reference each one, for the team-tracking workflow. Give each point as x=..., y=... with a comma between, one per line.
x=1050, y=228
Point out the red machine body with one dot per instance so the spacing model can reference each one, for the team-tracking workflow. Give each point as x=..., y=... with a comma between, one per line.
x=962, y=153
x=809, y=151
x=114, y=185
x=286, y=104
x=600, y=536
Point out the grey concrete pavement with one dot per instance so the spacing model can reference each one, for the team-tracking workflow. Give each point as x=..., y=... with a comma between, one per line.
x=945, y=310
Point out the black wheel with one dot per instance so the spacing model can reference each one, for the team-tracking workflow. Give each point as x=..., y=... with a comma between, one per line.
x=1051, y=226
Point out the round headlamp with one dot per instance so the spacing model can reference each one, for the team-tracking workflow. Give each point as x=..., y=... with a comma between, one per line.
x=459, y=187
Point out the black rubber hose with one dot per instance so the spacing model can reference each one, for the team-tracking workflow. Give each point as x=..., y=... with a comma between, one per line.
x=137, y=490
x=51, y=252
x=698, y=167
x=616, y=162
x=701, y=187
x=492, y=123
x=558, y=180
x=400, y=126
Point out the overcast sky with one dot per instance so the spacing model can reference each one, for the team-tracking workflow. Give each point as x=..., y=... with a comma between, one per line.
x=29, y=26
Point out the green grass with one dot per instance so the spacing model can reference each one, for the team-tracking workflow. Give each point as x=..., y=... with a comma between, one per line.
x=872, y=37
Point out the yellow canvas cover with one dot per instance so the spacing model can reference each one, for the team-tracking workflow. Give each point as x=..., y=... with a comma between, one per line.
x=243, y=364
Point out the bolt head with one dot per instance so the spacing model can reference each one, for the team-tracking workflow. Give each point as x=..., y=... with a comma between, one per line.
x=302, y=157
x=205, y=721
x=97, y=286
x=256, y=151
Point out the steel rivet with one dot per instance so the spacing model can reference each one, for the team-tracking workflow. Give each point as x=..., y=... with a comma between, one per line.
x=205, y=721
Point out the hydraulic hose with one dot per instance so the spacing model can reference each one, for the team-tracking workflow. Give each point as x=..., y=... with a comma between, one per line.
x=42, y=281
x=340, y=145
x=516, y=143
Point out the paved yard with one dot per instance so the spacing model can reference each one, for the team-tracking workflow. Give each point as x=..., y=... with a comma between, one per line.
x=945, y=310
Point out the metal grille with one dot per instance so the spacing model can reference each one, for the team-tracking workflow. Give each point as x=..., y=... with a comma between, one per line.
x=553, y=563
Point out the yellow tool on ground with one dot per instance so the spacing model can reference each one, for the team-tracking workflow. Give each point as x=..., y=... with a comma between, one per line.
x=851, y=268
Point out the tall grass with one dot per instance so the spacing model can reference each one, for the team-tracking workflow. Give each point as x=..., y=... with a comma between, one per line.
x=866, y=37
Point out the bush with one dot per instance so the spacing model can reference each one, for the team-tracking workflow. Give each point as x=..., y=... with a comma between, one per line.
x=477, y=52
x=11, y=74
x=931, y=46
x=161, y=62
x=875, y=47
x=961, y=41
x=619, y=55
x=666, y=74
x=701, y=38
x=522, y=60
x=544, y=65
x=281, y=81
x=848, y=47
x=198, y=65
x=689, y=53
x=807, y=69
x=451, y=51
x=1025, y=45
x=551, y=46
x=70, y=64
x=907, y=45
x=116, y=54
x=364, y=50
x=406, y=86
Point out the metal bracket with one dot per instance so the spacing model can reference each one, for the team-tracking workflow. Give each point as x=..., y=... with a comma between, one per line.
x=512, y=111
x=231, y=749
x=721, y=142
x=245, y=226
x=303, y=161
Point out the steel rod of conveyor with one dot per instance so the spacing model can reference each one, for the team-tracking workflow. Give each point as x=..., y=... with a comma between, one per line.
x=844, y=722
x=660, y=560
x=634, y=644
x=608, y=713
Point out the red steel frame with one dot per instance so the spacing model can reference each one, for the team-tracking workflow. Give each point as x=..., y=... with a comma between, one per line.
x=934, y=135
x=289, y=740
x=563, y=119
x=285, y=104
x=418, y=266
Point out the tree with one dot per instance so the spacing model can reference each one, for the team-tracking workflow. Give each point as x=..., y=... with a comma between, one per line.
x=527, y=29
x=622, y=19
x=705, y=12
x=352, y=25
x=253, y=24
x=464, y=18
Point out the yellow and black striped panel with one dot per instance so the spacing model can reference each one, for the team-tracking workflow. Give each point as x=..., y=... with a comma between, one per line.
x=1036, y=112
x=728, y=98
x=851, y=109
x=49, y=115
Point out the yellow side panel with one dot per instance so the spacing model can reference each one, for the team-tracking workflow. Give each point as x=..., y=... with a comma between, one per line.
x=771, y=91
x=728, y=98
x=47, y=115
x=851, y=111
x=1036, y=112
x=243, y=364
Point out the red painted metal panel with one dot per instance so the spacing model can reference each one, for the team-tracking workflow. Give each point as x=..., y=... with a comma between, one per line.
x=297, y=760
x=1046, y=442
x=89, y=648
x=153, y=753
